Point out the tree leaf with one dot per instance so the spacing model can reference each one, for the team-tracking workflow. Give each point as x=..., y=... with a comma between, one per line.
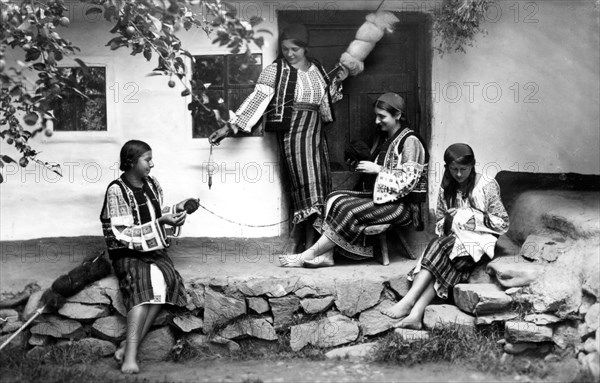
x=255, y=20
x=84, y=67
x=7, y=159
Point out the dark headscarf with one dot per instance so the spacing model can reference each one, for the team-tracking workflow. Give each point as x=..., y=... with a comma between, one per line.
x=462, y=154
x=296, y=32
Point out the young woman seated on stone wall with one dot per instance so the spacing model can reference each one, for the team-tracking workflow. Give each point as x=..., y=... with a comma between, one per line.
x=136, y=227
x=399, y=183
x=470, y=218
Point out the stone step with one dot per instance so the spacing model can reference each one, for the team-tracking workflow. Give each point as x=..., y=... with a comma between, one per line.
x=481, y=298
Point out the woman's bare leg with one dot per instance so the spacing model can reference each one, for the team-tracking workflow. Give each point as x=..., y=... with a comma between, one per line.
x=136, y=319
x=153, y=311
x=405, y=305
x=310, y=234
x=322, y=246
x=414, y=320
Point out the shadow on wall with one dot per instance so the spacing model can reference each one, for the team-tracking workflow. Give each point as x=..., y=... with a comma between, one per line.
x=512, y=184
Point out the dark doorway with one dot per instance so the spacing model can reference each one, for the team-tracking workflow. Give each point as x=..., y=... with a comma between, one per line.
x=400, y=62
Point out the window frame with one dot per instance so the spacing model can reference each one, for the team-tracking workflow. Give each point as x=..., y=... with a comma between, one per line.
x=111, y=134
x=227, y=87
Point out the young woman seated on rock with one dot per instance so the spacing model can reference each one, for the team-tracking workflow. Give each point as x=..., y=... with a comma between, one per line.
x=470, y=217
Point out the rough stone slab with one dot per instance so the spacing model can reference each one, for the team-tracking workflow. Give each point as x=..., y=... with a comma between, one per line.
x=520, y=347
x=33, y=304
x=542, y=319
x=220, y=308
x=283, y=308
x=58, y=328
x=590, y=265
x=157, y=345
x=271, y=287
x=565, y=334
x=218, y=342
x=8, y=315
x=400, y=284
x=373, y=322
x=441, y=316
x=327, y=332
x=591, y=364
x=112, y=328
x=515, y=274
x=592, y=317
x=358, y=351
x=110, y=286
x=92, y=294
x=195, y=295
x=164, y=317
x=352, y=297
x=93, y=346
x=544, y=247
x=557, y=290
x=316, y=305
x=480, y=275
x=586, y=302
x=81, y=311
x=250, y=326
x=481, y=298
x=197, y=341
x=39, y=340
x=308, y=287
x=498, y=317
x=591, y=345
x=258, y=305
x=188, y=322
x=412, y=336
x=519, y=331
x=10, y=326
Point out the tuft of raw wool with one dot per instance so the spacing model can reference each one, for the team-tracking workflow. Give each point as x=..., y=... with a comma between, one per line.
x=360, y=49
x=384, y=20
x=353, y=65
x=369, y=33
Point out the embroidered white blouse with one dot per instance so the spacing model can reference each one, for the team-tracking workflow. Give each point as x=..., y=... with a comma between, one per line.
x=310, y=89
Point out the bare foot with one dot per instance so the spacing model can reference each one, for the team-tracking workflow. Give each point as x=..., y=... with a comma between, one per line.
x=120, y=352
x=412, y=322
x=130, y=367
x=291, y=260
x=399, y=310
x=324, y=260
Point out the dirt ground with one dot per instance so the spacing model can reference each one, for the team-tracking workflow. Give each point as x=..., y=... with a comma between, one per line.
x=298, y=370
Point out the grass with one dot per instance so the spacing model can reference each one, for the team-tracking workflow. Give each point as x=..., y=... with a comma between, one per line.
x=479, y=350
x=55, y=367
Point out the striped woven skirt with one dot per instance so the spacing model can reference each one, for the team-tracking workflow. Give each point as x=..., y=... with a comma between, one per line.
x=350, y=212
x=135, y=281
x=306, y=159
x=447, y=272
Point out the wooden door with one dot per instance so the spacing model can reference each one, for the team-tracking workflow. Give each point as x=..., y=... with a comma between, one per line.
x=399, y=63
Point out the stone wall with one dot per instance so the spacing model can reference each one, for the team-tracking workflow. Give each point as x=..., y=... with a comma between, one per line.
x=544, y=293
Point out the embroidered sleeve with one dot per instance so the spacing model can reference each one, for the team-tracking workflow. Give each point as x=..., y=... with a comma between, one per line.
x=402, y=176
x=255, y=105
x=495, y=216
x=170, y=231
x=147, y=237
x=440, y=213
